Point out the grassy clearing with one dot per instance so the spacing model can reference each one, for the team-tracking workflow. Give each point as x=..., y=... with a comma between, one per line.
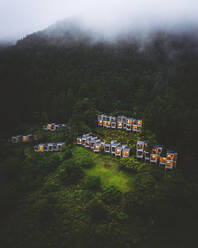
x=106, y=167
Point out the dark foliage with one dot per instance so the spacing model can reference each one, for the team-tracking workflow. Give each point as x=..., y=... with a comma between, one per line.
x=46, y=200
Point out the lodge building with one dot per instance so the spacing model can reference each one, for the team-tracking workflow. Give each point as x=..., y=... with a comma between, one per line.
x=120, y=122
x=157, y=155
x=24, y=138
x=49, y=147
x=53, y=127
x=114, y=148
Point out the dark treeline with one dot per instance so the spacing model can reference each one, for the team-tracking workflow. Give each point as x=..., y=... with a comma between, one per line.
x=156, y=81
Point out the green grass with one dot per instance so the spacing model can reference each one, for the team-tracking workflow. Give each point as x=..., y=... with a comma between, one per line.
x=106, y=167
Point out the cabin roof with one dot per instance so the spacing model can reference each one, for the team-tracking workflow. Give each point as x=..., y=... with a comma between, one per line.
x=170, y=151
x=158, y=146
x=140, y=142
x=60, y=143
x=97, y=144
x=116, y=144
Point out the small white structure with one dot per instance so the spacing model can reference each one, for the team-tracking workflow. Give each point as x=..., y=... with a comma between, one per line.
x=107, y=147
x=36, y=148
x=39, y=148
x=50, y=127
x=97, y=147
x=146, y=156
x=171, y=159
x=87, y=142
x=55, y=147
x=135, y=128
x=100, y=120
x=60, y=145
x=121, y=120
x=139, y=123
x=124, y=126
x=118, y=151
x=108, y=121
x=16, y=139
x=102, y=144
x=113, y=141
x=49, y=147
x=114, y=145
x=129, y=120
x=140, y=154
x=140, y=146
x=53, y=127
x=129, y=127
x=24, y=138
x=126, y=152
x=159, y=148
x=113, y=124
x=92, y=142
x=105, y=117
x=154, y=158
x=162, y=160
x=79, y=140
x=84, y=138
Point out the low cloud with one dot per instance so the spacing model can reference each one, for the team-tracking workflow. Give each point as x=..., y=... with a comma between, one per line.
x=109, y=18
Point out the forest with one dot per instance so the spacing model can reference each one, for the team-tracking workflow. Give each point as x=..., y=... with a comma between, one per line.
x=78, y=198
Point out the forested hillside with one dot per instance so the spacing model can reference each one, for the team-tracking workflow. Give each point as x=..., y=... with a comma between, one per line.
x=71, y=82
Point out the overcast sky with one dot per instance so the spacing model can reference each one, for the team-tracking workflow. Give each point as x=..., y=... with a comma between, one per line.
x=21, y=17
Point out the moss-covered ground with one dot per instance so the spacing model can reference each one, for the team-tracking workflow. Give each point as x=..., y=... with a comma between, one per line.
x=107, y=168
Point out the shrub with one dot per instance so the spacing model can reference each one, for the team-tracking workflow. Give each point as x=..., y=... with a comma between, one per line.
x=84, y=161
x=93, y=182
x=97, y=210
x=67, y=153
x=71, y=174
x=111, y=194
x=130, y=164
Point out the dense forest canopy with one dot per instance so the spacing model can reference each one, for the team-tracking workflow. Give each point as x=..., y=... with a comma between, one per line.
x=60, y=198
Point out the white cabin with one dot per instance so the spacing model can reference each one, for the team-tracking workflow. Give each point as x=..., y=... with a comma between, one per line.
x=140, y=154
x=113, y=147
x=154, y=158
x=118, y=151
x=79, y=140
x=16, y=139
x=146, y=156
x=171, y=159
x=126, y=152
x=107, y=147
x=97, y=147
x=129, y=127
x=163, y=159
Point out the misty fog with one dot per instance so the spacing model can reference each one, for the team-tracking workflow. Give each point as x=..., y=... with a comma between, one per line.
x=108, y=18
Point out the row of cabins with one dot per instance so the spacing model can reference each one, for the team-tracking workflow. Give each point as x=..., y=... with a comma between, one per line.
x=157, y=155
x=24, y=138
x=53, y=127
x=114, y=148
x=120, y=122
x=49, y=147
